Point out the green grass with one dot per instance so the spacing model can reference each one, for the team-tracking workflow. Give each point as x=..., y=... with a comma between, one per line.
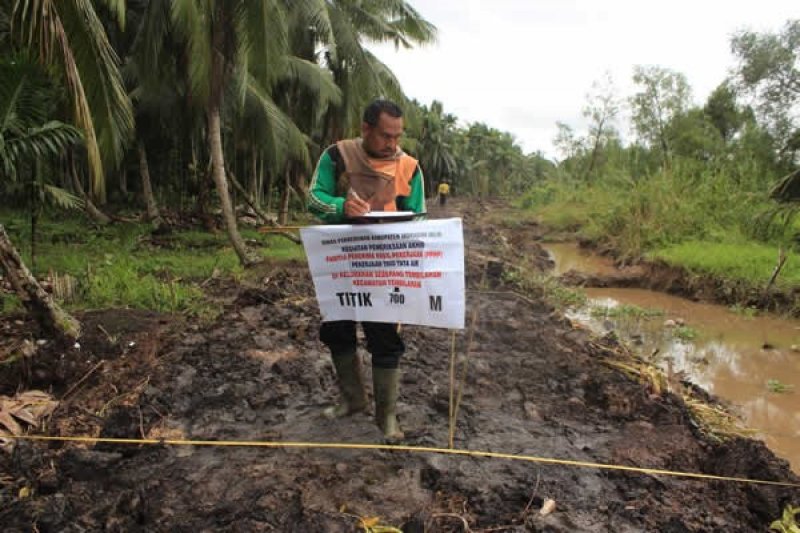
x=693, y=217
x=567, y=216
x=685, y=333
x=548, y=287
x=746, y=312
x=788, y=522
x=625, y=311
x=776, y=386
x=9, y=303
x=118, y=266
x=512, y=218
x=664, y=207
x=750, y=262
x=120, y=284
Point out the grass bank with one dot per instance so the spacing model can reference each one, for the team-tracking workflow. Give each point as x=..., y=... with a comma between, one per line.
x=707, y=225
x=123, y=265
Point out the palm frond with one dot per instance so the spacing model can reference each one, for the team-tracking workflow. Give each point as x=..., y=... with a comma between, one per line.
x=261, y=29
x=288, y=138
x=787, y=189
x=5, y=26
x=63, y=198
x=69, y=34
x=117, y=9
x=26, y=103
x=385, y=79
x=346, y=37
x=46, y=141
x=368, y=19
x=99, y=72
x=316, y=80
x=148, y=45
x=192, y=23
x=12, y=90
x=410, y=24
x=390, y=21
x=315, y=14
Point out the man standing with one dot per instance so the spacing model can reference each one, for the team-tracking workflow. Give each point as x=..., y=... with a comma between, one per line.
x=443, y=190
x=353, y=177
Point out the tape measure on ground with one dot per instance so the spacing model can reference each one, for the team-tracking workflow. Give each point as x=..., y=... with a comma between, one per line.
x=407, y=449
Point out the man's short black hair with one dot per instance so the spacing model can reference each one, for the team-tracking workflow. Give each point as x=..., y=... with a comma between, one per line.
x=373, y=111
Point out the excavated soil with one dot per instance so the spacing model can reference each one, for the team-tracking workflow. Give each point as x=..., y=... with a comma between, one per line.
x=535, y=385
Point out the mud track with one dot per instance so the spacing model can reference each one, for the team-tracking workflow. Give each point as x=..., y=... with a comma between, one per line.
x=535, y=385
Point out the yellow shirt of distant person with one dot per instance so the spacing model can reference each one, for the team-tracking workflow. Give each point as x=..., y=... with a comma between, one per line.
x=444, y=189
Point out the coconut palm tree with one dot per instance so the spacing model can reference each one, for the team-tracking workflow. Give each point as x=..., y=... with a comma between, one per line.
x=68, y=37
x=29, y=141
x=27, y=131
x=238, y=51
x=435, y=144
x=357, y=71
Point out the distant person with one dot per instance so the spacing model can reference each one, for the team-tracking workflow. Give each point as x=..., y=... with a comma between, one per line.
x=353, y=177
x=443, y=191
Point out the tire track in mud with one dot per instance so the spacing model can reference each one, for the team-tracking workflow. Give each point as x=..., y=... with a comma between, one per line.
x=534, y=386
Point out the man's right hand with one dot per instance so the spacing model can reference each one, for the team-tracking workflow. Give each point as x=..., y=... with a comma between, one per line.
x=355, y=207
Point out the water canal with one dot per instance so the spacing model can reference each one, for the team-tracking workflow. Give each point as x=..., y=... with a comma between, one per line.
x=749, y=359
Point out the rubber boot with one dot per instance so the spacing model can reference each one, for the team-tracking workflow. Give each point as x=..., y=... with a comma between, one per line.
x=385, y=382
x=352, y=398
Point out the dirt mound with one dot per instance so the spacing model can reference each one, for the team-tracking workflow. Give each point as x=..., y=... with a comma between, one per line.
x=534, y=386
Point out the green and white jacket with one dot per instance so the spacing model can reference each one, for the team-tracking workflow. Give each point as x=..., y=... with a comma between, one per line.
x=327, y=194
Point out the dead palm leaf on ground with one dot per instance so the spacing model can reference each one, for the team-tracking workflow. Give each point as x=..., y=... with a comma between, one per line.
x=28, y=408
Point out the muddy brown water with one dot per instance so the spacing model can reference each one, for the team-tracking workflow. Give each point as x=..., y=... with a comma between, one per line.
x=741, y=358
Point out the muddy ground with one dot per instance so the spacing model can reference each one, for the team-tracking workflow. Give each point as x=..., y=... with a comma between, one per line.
x=535, y=385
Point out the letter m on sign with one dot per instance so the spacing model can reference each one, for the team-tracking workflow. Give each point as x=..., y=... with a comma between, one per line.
x=435, y=303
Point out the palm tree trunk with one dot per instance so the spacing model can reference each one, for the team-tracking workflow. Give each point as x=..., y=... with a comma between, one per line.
x=217, y=81
x=253, y=181
x=300, y=185
x=40, y=304
x=123, y=182
x=259, y=193
x=268, y=190
x=218, y=173
x=94, y=213
x=34, y=208
x=34, y=221
x=283, y=212
x=153, y=214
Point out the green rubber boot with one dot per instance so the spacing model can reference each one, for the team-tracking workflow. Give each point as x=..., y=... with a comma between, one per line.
x=385, y=382
x=352, y=398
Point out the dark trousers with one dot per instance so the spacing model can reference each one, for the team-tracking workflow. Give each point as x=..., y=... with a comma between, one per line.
x=442, y=199
x=383, y=341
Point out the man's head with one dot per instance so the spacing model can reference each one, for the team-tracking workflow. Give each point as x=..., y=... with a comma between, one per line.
x=382, y=128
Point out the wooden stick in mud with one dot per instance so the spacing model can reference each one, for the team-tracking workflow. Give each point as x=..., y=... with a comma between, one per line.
x=778, y=267
x=463, y=379
x=462, y=382
x=451, y=418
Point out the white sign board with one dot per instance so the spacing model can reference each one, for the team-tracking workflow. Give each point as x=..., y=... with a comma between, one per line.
x=406, y=272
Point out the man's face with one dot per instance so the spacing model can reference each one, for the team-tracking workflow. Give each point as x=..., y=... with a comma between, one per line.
x=381, y=140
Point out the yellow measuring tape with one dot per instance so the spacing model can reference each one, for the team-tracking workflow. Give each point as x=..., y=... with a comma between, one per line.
x=409, y=449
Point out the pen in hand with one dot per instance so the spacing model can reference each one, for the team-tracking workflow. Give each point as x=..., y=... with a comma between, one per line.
x=355, y=206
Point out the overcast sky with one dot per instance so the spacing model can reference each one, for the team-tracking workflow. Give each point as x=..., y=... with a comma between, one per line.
x=522, y=65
